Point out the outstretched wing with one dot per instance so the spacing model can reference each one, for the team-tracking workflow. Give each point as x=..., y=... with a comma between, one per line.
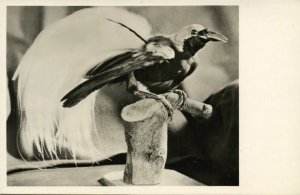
x=116, y=67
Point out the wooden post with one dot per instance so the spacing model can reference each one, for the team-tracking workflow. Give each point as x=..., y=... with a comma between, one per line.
x=146, y=135
x=145, y=125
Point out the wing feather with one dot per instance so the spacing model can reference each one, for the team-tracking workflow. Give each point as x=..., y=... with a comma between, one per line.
x=98, y=81
x=112, y=69
x=109, y=63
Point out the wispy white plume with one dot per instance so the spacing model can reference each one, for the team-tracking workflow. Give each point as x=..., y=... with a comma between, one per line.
x=55, y=63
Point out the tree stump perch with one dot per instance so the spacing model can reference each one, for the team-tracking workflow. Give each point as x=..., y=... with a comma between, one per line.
x=146, y=126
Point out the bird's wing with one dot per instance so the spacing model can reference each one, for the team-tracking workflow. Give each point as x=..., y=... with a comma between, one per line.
x=115, y=69
x=109, y=63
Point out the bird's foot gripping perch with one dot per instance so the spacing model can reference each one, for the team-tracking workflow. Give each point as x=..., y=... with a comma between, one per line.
x=182, y=98
x=177, y=99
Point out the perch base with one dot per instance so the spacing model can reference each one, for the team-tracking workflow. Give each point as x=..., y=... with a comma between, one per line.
x=169, y=178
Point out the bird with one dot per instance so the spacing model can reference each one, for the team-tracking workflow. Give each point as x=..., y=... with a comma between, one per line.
x=75, y=50
x=157, y=67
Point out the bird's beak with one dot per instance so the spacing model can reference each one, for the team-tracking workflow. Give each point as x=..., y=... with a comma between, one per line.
x=213, y=36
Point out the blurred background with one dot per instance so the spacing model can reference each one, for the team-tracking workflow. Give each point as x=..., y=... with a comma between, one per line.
x=218, y=63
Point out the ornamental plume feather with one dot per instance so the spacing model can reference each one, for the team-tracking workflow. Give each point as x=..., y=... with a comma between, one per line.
x=55, y=63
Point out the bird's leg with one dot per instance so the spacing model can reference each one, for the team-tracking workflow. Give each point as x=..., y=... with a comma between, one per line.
x=141, y=91
x=182, y=96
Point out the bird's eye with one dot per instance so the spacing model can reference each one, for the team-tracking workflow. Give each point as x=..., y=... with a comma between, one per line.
x=193, y=32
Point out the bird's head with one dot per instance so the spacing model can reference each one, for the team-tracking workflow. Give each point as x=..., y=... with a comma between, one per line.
x=193, y=37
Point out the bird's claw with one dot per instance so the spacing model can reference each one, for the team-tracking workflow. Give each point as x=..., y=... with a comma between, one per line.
x=182, y=97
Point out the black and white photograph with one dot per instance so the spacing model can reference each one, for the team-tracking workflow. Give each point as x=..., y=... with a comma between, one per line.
x=90, y=84
x=134, y=95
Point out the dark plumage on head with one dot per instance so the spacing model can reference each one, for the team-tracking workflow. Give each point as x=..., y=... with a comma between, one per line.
x=194, y=37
